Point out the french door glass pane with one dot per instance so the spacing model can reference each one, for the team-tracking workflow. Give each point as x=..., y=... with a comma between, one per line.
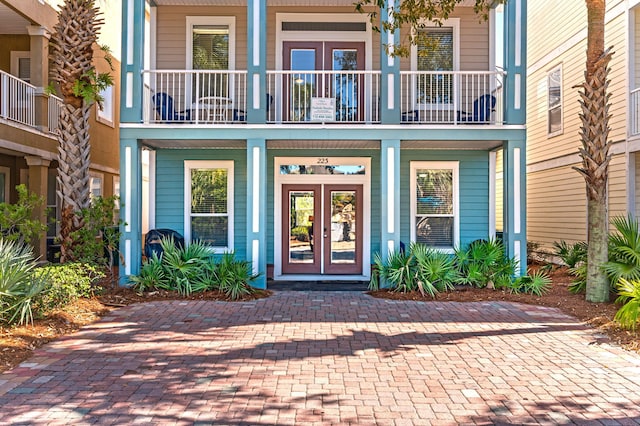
x=343, y=227
x=301, y=242
x=302, y=86
x=345, y=84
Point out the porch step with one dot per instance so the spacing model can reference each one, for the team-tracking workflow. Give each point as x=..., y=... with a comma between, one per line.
x=317, y=285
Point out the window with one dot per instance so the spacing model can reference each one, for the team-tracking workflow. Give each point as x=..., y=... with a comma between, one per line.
x=105, y=114
x=434, y=204
x=436, y=54
x=209, y=203
x=554, y=101
x=95, y=185
x=5, y=184
x=211, y=46
x=21, y=65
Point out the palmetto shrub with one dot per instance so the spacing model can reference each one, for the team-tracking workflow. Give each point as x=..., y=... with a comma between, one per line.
x=20, y=284
x=485, y=264
x=193, y=268
x=420, y=269
x=629, y=294
x=624, y=250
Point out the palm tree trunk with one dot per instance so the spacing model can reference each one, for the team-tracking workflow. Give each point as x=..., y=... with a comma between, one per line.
x=594, y=133
x=73, y=41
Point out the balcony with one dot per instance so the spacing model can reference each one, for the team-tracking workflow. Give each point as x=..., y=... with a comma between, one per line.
x=336, y=97
x=18, y=105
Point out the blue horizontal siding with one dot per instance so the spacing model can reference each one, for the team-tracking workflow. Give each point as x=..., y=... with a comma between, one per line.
x=170, y=188
x=474, y=190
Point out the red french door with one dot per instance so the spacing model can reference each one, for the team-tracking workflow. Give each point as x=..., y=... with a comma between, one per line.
x=344, y=84
x=322, y=229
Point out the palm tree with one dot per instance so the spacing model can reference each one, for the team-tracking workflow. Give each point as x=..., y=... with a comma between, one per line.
x=76, y=79
x=594, y=134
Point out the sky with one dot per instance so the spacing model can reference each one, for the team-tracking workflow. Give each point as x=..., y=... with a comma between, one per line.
x=111, y=31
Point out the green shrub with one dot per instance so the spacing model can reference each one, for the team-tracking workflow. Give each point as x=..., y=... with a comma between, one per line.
x=421, y=268
x=571, y=255
x=629, y=294
x=20, y=285
x=624, y=250
x=435, y=271
x=151, y=275
x=232, y=276
x=485, y=264
x=193, y=269
x=16, y=220
x=97, y=241
x=537, y=283
x=69, y=282
x=183, y=265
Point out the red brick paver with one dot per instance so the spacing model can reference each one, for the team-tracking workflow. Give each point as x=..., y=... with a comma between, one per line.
x=326, y=358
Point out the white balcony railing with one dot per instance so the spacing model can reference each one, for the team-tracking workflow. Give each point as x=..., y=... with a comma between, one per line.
x=55, y=108
x=323, y=96
x=198, y=96
x=634, y=112
x=452, y=97
x=17, y=100
x=210, y=97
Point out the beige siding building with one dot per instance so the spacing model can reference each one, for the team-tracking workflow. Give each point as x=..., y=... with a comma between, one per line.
x=29, y=116
x=557, y=40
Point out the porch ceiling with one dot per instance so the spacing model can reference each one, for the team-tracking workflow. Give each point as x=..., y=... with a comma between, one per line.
x=11, y=22
x=464, y=3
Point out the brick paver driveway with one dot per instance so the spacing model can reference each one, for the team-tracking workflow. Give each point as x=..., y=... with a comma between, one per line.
x=326, y=358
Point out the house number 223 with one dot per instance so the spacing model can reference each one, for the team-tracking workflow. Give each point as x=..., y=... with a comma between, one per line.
x=322, y=160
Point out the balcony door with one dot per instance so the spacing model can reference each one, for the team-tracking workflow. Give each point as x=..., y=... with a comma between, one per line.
x=344, y=84
x=322, y=227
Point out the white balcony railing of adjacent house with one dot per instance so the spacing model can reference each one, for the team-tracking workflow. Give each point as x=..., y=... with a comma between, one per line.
x=17, y=100
x=55, y=109
x=209, y=97
x=634, y=112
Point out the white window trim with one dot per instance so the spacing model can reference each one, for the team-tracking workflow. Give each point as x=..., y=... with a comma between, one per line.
x=432, y=165
x=454, y=23
x=561, y=106
x=7, y=183
x=209, y=164
x=230, y=21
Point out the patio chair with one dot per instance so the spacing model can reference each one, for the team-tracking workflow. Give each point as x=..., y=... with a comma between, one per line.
x=166, y=111
x=482, y=108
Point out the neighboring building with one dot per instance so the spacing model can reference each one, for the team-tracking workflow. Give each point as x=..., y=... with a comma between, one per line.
x=28, y=116
x=557, y=43
x=281, y=130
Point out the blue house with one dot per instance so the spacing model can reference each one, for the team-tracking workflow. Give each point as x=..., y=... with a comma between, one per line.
x=283, y=131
